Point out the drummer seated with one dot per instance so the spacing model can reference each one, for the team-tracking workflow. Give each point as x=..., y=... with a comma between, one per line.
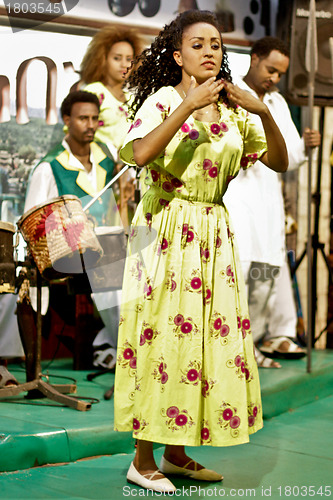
x=79, y=166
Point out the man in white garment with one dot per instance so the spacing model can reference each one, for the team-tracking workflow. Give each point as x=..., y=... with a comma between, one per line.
x=81, y=167
x=255, y=202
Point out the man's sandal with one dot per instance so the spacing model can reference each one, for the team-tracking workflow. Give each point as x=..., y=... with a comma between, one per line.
x=272, y=349
x=264, y=362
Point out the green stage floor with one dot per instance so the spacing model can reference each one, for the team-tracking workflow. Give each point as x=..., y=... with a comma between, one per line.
x=292, y=457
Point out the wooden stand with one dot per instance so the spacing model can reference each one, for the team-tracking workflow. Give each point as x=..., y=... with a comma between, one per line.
x=55, y=392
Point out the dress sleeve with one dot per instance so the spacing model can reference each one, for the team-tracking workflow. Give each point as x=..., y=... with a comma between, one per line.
x=96, y=88
x=154, y=110
x=254, y=142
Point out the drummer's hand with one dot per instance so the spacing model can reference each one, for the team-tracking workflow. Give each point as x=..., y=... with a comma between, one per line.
x=311, y=138
x=129, y=189
x=243, y=98
x=118, y=166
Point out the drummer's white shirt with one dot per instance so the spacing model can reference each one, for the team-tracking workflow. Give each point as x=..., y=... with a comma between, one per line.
x=42, y=185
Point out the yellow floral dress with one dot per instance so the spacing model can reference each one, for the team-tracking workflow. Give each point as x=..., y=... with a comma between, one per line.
x=186, y=372
x=113, y=121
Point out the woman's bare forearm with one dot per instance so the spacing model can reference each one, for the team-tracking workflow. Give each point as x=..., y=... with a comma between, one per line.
x=151, y=146
x=276, y=157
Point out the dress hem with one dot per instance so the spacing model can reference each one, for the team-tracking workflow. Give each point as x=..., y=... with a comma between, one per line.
x=232, y=442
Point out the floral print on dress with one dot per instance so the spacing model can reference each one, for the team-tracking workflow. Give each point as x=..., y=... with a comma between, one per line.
x=190, y=134
x=228, y=275
x=209, y=169
x=165, y=111
x=136, y=269
x=189, y=235
x=204, y=252
x=218, y=328
x=139, y=424
x=154, y=175
x=248, y=160
x=148, y=290
x=170, y=283
x=183, y=327
x=192, y=374
x=148, y=334
x=164, y=203
x=253, y=412
x=167, y=186
x=169, y=183
x=205, y=433
x=123, y=111
x=160, y=373
x=218, y=129
x=177, y=420
x=230, y=234
x=228, y=419
x=218, y=243
x=149, y=220
x=127, y=358
x=136, y=124
x=241, y=367
x=244, y=325
x=194, y=283
x=162, y=246
x=207, y=386
x=207, y=296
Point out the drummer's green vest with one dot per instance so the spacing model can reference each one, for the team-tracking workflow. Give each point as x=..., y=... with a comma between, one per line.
x=71, y=180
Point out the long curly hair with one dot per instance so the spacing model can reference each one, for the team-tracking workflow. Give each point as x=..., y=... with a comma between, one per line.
x=93, y=65
x=156, y=66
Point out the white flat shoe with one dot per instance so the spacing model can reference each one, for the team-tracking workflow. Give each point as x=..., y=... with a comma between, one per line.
x=145, y=480
x=201, y=475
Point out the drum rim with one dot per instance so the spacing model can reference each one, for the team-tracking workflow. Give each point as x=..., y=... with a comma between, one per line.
x=108, y=230
x=48, y=202
x=7, y=226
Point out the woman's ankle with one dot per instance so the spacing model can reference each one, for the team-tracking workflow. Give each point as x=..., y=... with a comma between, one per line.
x=144, y=457
x=175, y=454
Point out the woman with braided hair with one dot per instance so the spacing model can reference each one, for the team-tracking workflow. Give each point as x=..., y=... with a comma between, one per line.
x=186, y=373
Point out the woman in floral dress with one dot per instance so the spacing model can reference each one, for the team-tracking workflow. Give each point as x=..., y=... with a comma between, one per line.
x=104, y=68
x=186, y=373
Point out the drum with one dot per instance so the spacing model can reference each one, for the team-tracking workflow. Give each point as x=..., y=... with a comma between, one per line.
x=7, y=265
x=60, y=237
x=108, y=273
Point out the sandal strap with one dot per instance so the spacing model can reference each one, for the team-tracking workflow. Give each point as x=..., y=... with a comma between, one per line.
x=151, y=476
x=263, y=361
x=188, y=463
x=276, y=342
